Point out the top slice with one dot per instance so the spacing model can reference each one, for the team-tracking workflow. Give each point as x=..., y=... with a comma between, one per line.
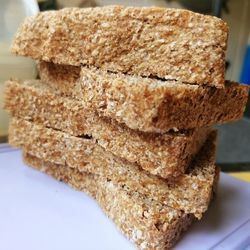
x=165, y=43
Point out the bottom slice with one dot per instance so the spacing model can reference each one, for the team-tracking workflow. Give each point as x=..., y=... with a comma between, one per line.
x=147, y=223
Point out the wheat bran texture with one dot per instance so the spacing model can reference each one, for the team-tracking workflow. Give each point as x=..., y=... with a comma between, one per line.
x=147, y=104
x=148, y=224
x=166, y=155
x=190, y=192
x=172, y=44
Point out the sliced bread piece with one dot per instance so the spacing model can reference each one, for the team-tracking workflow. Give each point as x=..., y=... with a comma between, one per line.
x=147, y=104
x=190, y=192
x=147, y=223
x=167, y=43
x=165, y=155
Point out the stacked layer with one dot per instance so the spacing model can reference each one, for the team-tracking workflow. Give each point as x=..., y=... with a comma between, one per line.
x=123, y=111
x=147, y=104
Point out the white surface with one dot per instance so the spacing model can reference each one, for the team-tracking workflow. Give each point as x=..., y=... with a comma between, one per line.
x=37, y=212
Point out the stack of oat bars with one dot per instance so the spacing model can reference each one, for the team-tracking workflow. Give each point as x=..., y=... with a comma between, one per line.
x=123, y=111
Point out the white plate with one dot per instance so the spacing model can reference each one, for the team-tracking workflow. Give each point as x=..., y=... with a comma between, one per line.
x=37, y=212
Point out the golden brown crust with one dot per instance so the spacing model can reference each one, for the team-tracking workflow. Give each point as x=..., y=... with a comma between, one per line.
x=165, y=155
x=148, y=224
x=167, y=43
x=190, y=193
x=146, y=104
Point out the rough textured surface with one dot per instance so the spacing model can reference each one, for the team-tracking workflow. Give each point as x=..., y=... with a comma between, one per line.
x=148, y=224
x=147, y=104
x=167, y=43
x=165, y=155
x=190, y=193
